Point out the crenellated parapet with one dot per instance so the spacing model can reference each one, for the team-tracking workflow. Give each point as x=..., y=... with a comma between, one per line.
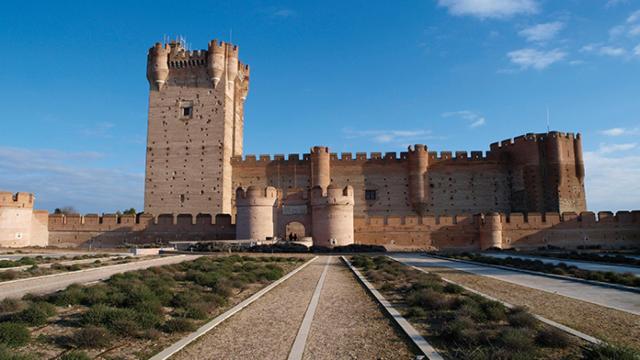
x=17, y=200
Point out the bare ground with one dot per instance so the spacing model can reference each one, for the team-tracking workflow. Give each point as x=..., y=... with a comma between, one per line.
x=266, y=329
x=349, y=324
x=611, y=325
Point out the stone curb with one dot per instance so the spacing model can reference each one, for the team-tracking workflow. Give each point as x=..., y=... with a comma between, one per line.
x=80, y=271
x=297, y=350
x=182, y=343
x=411, y=332
x=559, y=326
x=553, y=276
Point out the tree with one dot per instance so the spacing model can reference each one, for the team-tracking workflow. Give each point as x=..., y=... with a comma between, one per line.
x=66, y=210
x=131, y=211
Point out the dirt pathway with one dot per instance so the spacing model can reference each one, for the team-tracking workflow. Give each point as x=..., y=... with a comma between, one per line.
x=348, y=324
x=265, y=329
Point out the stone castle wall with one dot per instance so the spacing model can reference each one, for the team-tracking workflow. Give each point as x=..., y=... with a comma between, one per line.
x=111, y=230
x=522, y=231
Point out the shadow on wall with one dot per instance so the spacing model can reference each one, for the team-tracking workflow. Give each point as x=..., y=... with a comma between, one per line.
x=111, y=230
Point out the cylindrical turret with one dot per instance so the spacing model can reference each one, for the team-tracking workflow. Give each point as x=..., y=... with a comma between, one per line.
x=332, y=216
x=158, y=66
x=320, y=167
x=232, y=65
x=490, y=231
x=418, y=162
x=255, y=209
x=216, y=61
x=577, y=150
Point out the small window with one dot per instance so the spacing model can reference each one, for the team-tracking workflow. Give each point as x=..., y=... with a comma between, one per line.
x=370, y=194
x=186, y=111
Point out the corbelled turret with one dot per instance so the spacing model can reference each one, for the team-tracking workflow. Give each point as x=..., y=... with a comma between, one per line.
x=158, y=66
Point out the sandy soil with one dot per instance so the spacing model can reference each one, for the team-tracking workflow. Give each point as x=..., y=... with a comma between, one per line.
x=348, y=324
x=266, y=329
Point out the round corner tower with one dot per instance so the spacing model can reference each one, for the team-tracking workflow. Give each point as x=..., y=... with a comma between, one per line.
x=490, y=231
x=320, y=167
x=332, y=216
x=255, y=208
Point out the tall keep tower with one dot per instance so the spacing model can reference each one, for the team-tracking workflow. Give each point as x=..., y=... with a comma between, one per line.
x=196, y=107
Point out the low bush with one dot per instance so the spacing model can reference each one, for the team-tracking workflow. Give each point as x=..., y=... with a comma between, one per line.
x=36, y=314
x=552, y=337
x=416, y=312
x=608, y=351
x=91, y=337
x=520, y=318
x=14, y=334
x=10, y=306
x=461, y=330
x=178, y=325
x=494, y=311
x=429, y=299
x=453, y=288
x=75, y=355
x=8, y=275
x=521, y=340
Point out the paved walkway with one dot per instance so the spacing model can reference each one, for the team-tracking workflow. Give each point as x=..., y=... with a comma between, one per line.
x=50, y=283
x=579, y=264
x=345, y=324
x=617, y=299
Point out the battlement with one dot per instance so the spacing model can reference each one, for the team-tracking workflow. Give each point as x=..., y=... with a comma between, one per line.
x=254, y=193
x=334, y=195
x=106, y=222
x=17, y=200
x=531, y=137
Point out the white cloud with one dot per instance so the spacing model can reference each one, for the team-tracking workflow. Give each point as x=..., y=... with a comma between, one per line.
x=618, y=131
x=635, y=16
x=636, y=50
x=614, y=148
x=634, y=30
x=612, y=51
x=473, y=119
x=60, y=178
x=541, y=32
x=388, y=136
x=613, y=132
x=485, y=9
x=616, y=31
x=536, y=59
x=283, y=13
x=612, y=182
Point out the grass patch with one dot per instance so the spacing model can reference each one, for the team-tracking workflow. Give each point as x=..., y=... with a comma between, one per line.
x=14, y=334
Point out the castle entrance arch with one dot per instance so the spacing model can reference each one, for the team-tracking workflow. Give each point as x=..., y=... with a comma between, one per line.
x=295, y=229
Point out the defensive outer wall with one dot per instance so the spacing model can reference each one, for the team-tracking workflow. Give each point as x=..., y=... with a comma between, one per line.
x=469, y=232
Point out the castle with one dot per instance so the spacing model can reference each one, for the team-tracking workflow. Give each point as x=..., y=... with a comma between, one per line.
x=523, y=192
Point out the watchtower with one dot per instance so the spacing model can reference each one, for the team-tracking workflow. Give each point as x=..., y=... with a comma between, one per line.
x=196, y=110
x=332, y=216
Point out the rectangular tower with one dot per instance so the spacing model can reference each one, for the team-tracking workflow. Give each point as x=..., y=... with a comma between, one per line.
x=196, y=106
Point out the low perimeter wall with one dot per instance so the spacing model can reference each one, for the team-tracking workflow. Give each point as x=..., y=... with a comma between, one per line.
x=523, y=231
x=568, y=230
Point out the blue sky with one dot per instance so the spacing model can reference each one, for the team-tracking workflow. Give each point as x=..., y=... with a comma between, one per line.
x=353, y=75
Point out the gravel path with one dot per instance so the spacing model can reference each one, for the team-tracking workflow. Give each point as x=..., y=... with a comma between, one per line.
x=348, y=324
x=50, y=283
x=265, y=329
x=604, y=323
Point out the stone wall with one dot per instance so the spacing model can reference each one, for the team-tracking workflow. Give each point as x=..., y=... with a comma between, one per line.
x=111, y=230
x=522, y=231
